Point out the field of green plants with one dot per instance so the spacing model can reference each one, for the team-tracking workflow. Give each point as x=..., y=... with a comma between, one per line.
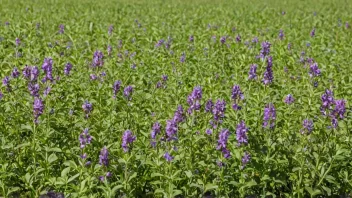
x=175, y=98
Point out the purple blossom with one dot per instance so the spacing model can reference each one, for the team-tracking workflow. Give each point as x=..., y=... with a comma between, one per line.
x=1, y=95
x=155, y=131
x=127, y=92
x=127, y=139
x=183, y=57
x=6, y=83
x=164, y=77
x=289, y=99
x=15, y=73
x=120, y=44
x=38, y=109
x=171, y=129
x=93, y=77
x=194, y=99
x=85, y=138
x=269, y=116
x=209, y=131
x=289, y=46
x=223, y=40
x=238, y=38
x=34, y=73
x=159, y=43
x=222, y=142
x=47, y=91
x=98, y=57
x=308, y=126
x=340, y=109
x=281, y=34
x=34, y=89
x=17, y=41
x=209, y=105
x=237, y=94
x=268, y=74
x=27, y=72
x=255, y=40
x=327, y=100
x=252, y=74
x=245, y=159
x=168, y=157
x=104, y=157
x=61, y=29
x=159, y=84
x=67, y=69
x=347, y=25
x=314, y=70
x=179, y=114
x=116, y=87
x=87, y=108
x=265, y=49
x=219, y=110
x=48, y=68
x=191, y=38
x=111, y=28
x=312, y=33
x=109, y=50
x=241, y=133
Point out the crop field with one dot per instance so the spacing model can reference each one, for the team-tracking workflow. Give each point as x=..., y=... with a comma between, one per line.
x=175, y=98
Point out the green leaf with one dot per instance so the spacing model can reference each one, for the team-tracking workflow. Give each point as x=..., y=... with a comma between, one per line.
x=189, y=174
x=52, y=158
x=65, y=171
x=157, y=175
x=328, y=190
x=72, y=178
x=210, y=187
x=132, y=176
x=313, y=192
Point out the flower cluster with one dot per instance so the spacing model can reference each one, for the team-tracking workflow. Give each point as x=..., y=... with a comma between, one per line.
x=127, y=139
x=194, y=99
x=269, y=116
x=236, y=96
x=268, y=74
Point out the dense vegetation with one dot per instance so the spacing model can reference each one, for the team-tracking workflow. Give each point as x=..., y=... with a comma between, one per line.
x=175, y=99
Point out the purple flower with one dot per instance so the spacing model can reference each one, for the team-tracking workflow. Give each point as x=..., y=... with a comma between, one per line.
x=47, y=91
x=67, y=69
x=245, y=159
x=222, y=142
x=312, y=33
x=269, y=116
x=347, y=25
x=93, y=76
x=127, y=139
x=7, y=23
x=340, y=109
x=171, y=129
x=178, y=116
x=33, y=89
x=34, y=73
x=265, y=49
x=238, y=38
x=116, y=87
x=109, y=50
x=104, y=157
x=281, y=34
x=159, y=84
x=209, y=105
x=98, y=57
x=6, y=81
x=314, y=70
x=308, y=126
x=236, y=96
x=268, y=74
x=111, y=28
x=127, y=92
x=84, y=155
x=183, y=57
x=219, y=110
x=87, y=108
x=252, y=74
x=85, y=138
x=327, y=100
x=164, y=77
x=168, y=157
x=241, y=133
x=194, y=99
x=289, y=99
x=17, y=41
x=223, y=39
x=255, y=40
x=48, y=68
x=133, y=66
x=289, y=46
x=209, y=131
x=1, y=95
x=155, y=131
x=108, y=174
x=38, y=109
x=160, y=43
x=191, y=38
x=27, y=71
x=61, y=29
